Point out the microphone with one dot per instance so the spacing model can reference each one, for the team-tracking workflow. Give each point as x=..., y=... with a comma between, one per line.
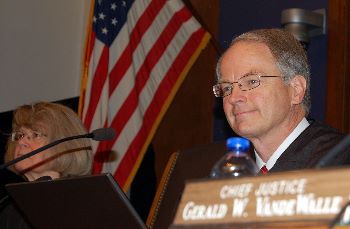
x=339, y=148
x=101, y=134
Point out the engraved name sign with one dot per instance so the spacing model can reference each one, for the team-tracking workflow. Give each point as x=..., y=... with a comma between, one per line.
x=304, y=195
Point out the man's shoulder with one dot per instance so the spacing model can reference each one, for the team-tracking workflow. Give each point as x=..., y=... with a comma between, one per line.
x=318, y=130
x=310, y=147
x=317, y=139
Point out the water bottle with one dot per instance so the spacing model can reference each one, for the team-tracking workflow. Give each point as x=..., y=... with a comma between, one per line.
x=236, y=162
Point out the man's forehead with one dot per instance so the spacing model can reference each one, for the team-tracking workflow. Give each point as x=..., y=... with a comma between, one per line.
x=247, y=53
x=243, y=44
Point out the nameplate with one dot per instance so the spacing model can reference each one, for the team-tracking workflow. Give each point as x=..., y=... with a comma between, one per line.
x=300, y=196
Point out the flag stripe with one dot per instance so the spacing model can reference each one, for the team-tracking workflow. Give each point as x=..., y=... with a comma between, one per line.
x=97, y=84
x=141, y=27
x=160, y=70
x=92, y=91
x=154, y=108
x=93, y=109
x=141, y=52
x=142, y=76
x=131, y=102
x=126, y=112
x=149, y=38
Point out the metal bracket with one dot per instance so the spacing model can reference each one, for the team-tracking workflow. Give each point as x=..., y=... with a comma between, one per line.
x=304, y=24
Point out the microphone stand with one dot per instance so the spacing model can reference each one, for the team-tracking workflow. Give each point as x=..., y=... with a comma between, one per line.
x=14, y=161
x=339, y=148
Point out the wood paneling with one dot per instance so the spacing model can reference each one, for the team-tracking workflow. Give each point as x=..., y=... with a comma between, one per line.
x=189, y=119
x=338, y=78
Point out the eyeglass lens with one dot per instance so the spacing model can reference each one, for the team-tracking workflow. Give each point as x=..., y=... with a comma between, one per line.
x=245, y=83
x=18, y=135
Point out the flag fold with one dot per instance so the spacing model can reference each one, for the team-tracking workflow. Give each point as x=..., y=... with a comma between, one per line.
x=136, y=57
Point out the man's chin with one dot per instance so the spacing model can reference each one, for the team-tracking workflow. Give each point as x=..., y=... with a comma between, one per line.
x=245, y=131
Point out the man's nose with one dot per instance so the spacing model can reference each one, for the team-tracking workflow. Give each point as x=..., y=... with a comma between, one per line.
x=237, y=95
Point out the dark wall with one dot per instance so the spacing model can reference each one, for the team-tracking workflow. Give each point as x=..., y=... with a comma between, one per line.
x=5, y=129
x=239, y=16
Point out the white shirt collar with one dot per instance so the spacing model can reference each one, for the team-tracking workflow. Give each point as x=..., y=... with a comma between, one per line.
x=291, y=137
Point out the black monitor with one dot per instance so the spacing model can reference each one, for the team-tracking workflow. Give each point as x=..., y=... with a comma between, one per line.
x=95, y=201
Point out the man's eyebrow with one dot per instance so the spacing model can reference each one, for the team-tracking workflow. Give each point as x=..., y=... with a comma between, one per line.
x=251, y=73
x=226, y=81
x=223, y=81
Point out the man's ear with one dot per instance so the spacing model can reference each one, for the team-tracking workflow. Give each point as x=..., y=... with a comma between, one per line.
x=298, y=89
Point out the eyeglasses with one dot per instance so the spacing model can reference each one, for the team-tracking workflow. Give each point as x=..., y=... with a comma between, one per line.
x=245, y=83
x=31, y=135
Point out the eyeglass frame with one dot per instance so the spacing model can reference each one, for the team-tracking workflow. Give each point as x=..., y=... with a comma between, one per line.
x=239, y=85
x=32, y=136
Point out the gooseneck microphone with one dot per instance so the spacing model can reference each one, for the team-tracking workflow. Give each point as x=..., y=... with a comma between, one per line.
x=102, y=134
x=336, y=150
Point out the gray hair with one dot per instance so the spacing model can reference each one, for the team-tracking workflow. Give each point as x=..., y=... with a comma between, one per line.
x=290, y=56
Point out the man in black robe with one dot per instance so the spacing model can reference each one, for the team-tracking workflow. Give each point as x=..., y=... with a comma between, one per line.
x=264, y=80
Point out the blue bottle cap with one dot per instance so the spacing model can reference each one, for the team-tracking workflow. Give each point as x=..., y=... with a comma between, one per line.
x=237, y=143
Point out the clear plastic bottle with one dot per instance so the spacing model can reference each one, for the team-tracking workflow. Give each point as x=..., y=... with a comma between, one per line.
x=236, y=162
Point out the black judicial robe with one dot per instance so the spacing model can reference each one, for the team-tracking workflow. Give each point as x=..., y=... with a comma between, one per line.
x=6, y=177
x=10, y=218
x=310, y=146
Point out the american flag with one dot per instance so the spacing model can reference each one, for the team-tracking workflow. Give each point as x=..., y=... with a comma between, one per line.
x=137, y=55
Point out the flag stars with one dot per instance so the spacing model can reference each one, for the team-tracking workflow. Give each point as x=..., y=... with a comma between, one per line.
x=101, y=16
x=104, y=30
x=114, y=21
x=113, y=6
x=108, y=18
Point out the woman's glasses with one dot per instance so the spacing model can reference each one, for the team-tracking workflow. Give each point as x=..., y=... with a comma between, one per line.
x=30, y=135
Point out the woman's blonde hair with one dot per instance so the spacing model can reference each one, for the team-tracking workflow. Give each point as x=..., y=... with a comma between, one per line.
x=56, y=122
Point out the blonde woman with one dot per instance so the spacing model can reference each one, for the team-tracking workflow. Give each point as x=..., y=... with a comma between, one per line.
x=34, y=126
